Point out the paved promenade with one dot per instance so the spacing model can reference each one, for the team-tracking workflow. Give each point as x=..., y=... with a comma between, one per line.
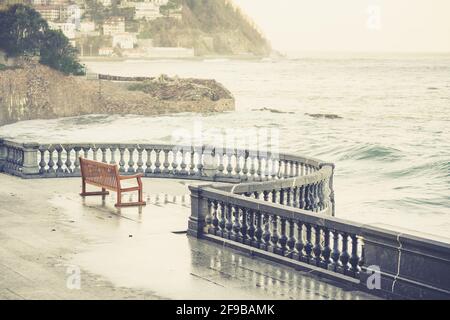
x=48, y=231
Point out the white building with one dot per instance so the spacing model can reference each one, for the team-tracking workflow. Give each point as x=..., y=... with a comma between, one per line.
x=146, y=10
x=69, y=29
x=87, y=26
x=106, y=3
x=105, y=51
x=124, y=40
x=114, y=25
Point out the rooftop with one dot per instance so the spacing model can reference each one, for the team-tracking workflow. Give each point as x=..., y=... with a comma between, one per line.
x=129, y=253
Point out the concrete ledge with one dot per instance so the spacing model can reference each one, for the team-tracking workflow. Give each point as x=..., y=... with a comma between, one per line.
x=411, y=266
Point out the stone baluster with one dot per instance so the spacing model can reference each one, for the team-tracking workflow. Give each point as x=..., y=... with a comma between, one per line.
x=183, y=164
x=274, y=244
x=237, y=168
x=157, y=161
x=245, y=167
x=297, y=173
x=344, y=257
x=59, y=162
x=283, y=237
x=274, y=168
x=308, y=244
x=251, y=227
x=252, y=167
x=291, y=240
x=68, y=162
x=302, y=201
x=86, y=152
x=51, y=163
x=103, y=150
x=140, y=161
x=274, y=196
x=166, y=163
x=221, y=167
x=244, y=226
x=334, y=265
x=122, y=160
x=174, y=162
x=113, y=155
x=148, y=163
x=326, y=251
x=295, y=197
x=215, y=218
x=229, y=221
x=259, y=169
x=308, y=202
x=192, y=162
x=299, y=245
x=131, y=160
x=266, y=234
x=354, y=259
x=94, y=153
x=76, y=164
x=317, y=250
x=208, y=217
x=236, y=226
x=282, y=196
x=289, y=196
x=201, y=152
x=222, y=220
x=259, y=230
x=291, y=169
x=42, y=163
x=229, y=164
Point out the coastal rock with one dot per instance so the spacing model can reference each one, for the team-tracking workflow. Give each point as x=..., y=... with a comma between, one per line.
x=33, y=91
x=324, y=115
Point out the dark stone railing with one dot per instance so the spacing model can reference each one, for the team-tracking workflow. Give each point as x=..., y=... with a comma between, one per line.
x=279, y=207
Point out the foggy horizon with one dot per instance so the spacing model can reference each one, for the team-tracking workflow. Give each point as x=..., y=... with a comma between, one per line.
x=353, y=26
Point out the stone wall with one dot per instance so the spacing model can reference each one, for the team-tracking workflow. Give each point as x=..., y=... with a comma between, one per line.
x=33, y=91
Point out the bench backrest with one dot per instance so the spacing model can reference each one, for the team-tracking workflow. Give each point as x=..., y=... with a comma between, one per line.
x=100, y=173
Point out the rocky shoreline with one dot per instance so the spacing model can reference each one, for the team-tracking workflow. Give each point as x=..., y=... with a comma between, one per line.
x=33, y=91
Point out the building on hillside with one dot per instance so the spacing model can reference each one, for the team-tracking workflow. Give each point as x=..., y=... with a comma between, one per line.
x=105, y=51
x=124, y=40
x=86, y=26
x=40, y=2
x=146, y=10
x=114, y=25
x=68, y=29
x=51, y=13
x=106, y=3
x=58, y=2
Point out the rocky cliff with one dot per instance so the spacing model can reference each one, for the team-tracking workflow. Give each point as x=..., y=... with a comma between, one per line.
x=211, y=27
x=33, y=91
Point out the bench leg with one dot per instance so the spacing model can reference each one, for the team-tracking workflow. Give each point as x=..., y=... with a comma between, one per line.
x=83, y=193
x=140, y=202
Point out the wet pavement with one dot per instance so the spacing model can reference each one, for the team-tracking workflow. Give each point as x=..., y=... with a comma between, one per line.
x=50, y=235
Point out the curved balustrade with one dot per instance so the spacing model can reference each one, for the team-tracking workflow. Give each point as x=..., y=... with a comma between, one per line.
x=278, y=207
x=292, y=233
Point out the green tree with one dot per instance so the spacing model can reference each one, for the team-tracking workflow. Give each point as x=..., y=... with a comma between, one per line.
x=24, y=32
x=57, y=53
x=21, y=30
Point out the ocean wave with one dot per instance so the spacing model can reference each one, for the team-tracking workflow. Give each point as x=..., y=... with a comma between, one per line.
x=372, y=152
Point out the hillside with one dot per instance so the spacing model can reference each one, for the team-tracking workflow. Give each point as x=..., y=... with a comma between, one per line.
x=210, y=27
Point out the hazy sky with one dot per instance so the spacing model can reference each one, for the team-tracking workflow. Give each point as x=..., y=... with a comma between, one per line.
x=353, y=25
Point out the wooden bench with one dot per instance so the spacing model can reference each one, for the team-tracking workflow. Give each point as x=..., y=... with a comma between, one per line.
x=107, y=177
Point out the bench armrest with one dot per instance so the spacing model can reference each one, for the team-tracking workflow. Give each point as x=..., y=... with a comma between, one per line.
x=135, y=176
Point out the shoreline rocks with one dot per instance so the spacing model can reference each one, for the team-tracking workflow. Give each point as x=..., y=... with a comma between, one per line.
x=33, y=91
